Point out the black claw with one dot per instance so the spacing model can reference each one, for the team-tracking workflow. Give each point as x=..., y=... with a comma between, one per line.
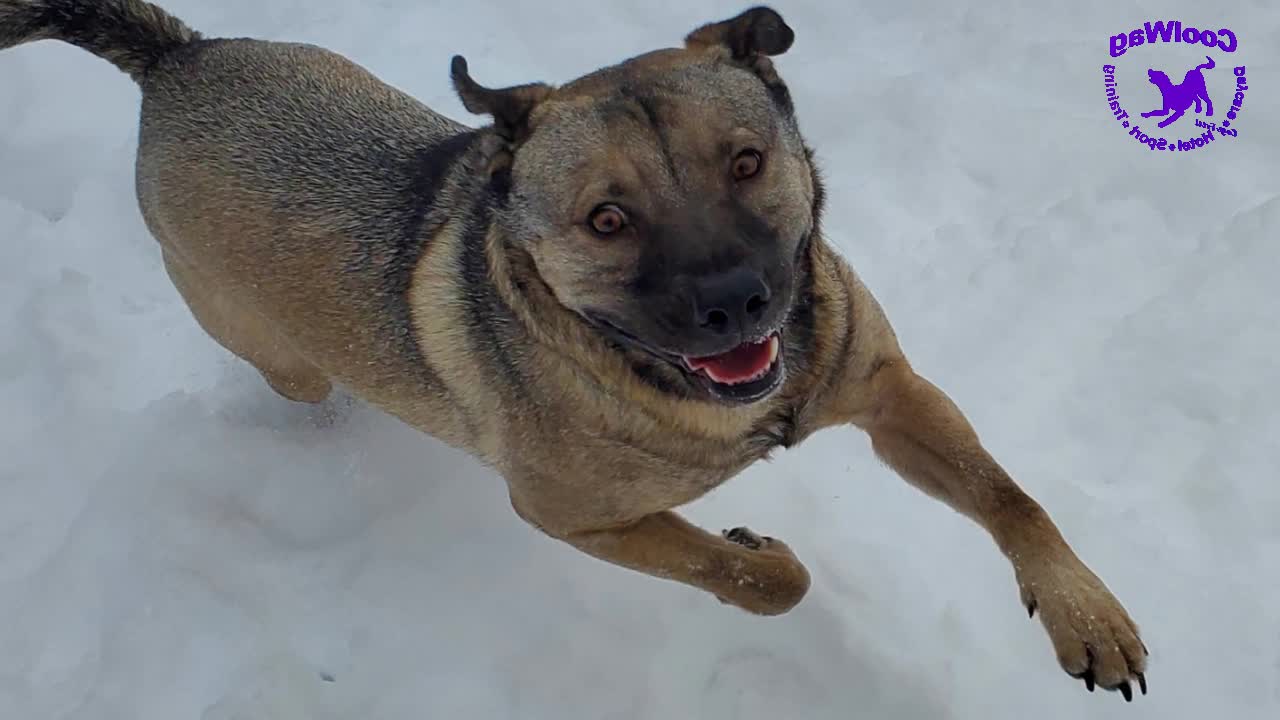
x=1031, y=609
x=1142, y=683
x=1088, y=680
x=1145, y=651
x=1127, y=691
x=744, y=537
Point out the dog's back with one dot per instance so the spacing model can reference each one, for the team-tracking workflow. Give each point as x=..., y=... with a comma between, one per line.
x=292, y=192
x=304, y=185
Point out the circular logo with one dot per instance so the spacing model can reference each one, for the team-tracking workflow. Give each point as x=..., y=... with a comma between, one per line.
x=1176, y=87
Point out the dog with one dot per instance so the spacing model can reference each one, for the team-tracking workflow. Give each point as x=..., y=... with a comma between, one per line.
x=1178, y=98
x=616, y=292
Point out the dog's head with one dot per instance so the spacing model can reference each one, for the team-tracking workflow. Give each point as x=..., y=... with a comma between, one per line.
x=1157, y=77
x=667, y=201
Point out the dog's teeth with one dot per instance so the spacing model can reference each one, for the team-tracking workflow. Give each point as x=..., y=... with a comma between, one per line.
x=773, y=349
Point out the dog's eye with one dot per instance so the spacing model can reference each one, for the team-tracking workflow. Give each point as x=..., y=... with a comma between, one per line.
x=608, y=219
x=747, y=164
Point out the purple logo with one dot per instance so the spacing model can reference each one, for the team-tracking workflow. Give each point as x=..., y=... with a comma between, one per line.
x=1185, y=107
x=1177, y=98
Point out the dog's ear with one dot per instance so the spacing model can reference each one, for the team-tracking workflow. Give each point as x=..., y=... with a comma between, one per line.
x=749, y=39
x=510, y=107
x=757, y=32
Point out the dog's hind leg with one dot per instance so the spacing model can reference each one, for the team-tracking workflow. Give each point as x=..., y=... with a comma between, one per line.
x=249, y=336
x=757, y=574
x=1208, y=104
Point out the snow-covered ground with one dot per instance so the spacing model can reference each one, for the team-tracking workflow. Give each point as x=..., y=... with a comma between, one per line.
x=176, y=542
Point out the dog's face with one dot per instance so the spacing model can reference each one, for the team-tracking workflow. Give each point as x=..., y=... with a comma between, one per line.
x=667, y=201
x=1157, y=77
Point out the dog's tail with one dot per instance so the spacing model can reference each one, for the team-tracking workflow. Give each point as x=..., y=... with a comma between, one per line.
x=130, y=34
x=1206, y=66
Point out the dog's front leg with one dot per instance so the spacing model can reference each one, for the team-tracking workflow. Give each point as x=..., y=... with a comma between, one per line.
x=917, y=430
x=1171, y=119
x=757, y=574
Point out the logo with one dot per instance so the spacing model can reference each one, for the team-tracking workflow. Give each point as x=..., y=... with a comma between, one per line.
x=1176, y=116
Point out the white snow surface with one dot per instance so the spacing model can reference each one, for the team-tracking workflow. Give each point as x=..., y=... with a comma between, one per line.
x=178, y=542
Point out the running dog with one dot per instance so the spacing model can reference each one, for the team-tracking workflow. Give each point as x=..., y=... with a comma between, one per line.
x=617, y=293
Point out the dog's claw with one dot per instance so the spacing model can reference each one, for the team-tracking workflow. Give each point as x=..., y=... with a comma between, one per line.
x=1127, y=691
x=1142, y=683
x=744, y=537
x=1088, y=679
x=1031, y=609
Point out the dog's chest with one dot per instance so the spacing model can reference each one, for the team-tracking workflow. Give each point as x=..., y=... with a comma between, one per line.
x=711, y=463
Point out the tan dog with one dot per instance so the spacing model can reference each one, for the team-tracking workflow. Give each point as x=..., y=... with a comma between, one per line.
x=618, y=294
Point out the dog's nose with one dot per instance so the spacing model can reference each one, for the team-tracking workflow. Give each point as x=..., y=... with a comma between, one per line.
x=731, y=302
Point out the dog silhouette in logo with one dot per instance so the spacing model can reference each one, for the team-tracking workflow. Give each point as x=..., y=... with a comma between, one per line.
x=1177, y=98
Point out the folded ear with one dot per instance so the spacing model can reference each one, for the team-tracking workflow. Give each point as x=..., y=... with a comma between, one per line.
x=510, y=107
x=758, y=31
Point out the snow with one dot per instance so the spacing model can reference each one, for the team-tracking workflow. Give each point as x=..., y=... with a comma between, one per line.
x=176, y=542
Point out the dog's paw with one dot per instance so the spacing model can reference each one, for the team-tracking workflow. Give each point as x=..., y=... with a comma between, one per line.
x=1094, y=637
x=766, y=580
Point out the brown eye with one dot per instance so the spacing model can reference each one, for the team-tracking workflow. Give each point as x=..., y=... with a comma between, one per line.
x=608, y=219
x=747, y=164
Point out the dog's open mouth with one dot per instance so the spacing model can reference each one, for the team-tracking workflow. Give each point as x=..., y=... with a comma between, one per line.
x=745, y=373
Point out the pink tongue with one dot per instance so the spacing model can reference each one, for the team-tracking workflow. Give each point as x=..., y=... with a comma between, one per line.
x=741, y=364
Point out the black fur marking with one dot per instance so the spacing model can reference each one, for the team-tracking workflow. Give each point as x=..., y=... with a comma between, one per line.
x=500, y=186
x=492, y=327
x=429, y=169
x=781, y=97
x=21, y=27
x=386, y=250
x=129, y=33
x=803, y=314
x=386, y=247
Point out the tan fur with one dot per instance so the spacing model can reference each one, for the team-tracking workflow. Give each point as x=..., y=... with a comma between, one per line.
x=276, y=220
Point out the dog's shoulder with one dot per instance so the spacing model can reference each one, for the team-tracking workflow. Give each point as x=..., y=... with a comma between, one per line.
x=850, y=337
